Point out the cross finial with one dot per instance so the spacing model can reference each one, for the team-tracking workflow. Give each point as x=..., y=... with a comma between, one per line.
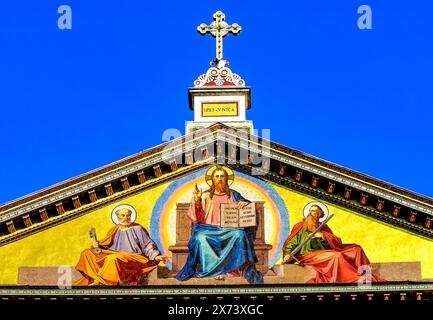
x=219, y=29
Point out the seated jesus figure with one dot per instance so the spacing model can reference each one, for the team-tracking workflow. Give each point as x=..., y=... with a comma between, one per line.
x=216, y=251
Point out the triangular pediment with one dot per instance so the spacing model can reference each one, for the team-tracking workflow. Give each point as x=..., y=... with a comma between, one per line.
x=246, y=153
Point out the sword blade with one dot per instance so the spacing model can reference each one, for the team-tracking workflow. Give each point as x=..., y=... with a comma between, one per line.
x=310, y=236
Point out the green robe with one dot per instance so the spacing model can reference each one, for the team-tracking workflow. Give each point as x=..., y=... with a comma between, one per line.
x=311, y=245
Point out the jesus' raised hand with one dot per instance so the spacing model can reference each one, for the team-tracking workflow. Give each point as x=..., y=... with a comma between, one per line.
x=197, y=193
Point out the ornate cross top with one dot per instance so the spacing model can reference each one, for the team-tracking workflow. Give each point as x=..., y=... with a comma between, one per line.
x=219, y=29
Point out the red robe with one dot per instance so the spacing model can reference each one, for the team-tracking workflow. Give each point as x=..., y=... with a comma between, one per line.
x=337, y=265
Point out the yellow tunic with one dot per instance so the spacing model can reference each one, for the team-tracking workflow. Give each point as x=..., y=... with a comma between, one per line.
x=112, y=267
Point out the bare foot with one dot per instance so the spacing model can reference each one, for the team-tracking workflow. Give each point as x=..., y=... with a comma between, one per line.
x=220, y=277
x=94, y=283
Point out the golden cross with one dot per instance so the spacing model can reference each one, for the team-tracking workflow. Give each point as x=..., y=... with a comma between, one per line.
x=219, y=29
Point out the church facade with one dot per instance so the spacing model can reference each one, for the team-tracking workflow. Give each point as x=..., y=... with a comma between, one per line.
x=222, y=211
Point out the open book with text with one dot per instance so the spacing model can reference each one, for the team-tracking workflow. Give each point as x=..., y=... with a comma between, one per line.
x=233, y=217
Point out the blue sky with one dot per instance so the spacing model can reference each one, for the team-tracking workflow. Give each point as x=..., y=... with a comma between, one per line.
x=74, y=100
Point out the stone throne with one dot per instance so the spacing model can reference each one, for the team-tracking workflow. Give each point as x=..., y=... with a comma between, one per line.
x=183, y=234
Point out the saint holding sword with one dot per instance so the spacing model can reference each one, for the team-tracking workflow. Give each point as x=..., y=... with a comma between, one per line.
x=312, y=243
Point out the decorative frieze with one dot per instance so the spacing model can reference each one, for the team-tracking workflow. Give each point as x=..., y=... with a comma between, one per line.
x=266, y=165
x=364, y=198
x=282, y=171
x=59, y=207
x=43, y=214
x=92, y=195
x=141, y=177
x=233, y=152
x=173, y=165
x=109, y=189
x=276, y=153
x=250, y=159
x=298, y=176
x=189, y=158
x=125, y=183
x=428, y=222
x=220, y=149
x=347, y=193
x=27, y=221
x=314, y=181
x=412, y=216
x=76, y=202
x=361, y=190
x=11, y=227
x=396, y=211
x=219, y=77
x=331, y=187
x=204, y=153
x=380, y=205
x=157, y=171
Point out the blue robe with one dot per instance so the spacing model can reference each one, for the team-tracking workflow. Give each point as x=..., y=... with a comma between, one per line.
x=215, y=250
